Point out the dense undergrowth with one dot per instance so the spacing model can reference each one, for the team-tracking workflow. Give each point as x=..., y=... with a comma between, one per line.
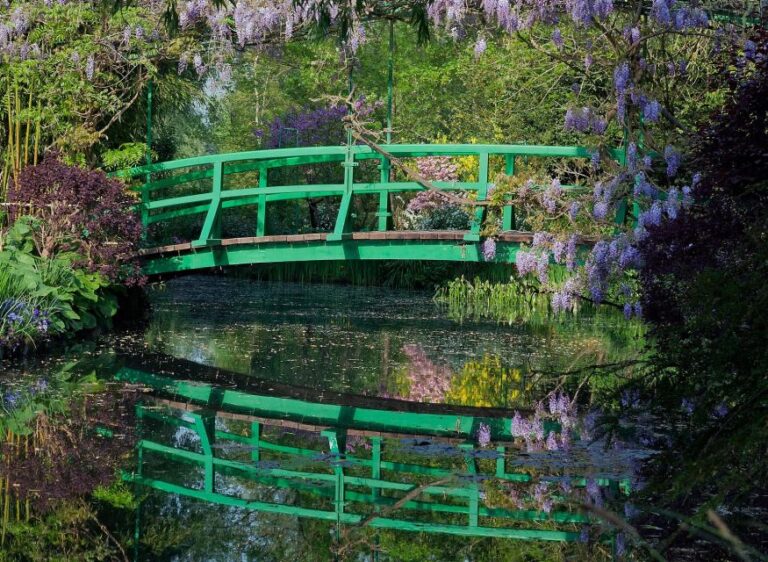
x=65, y=254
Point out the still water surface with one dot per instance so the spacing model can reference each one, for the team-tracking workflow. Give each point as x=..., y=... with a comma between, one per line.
x=355, y=341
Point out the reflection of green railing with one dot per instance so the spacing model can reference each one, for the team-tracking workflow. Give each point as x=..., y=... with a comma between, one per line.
x=355, y=489
x=322, y=414
x=344, y=489
x=198, y=186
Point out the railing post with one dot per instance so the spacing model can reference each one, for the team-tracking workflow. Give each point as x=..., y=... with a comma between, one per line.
x=474, y=499
x=376, y=475
x=621, y=213
x=144, y=207
x=255, y=441
x=482, y=194
x=337, y=444
x=342, y=220
x=261, y=218
x=508, y=213
x=383, y=214
x=501, y=468
x=212, y=225
x=375, y=465
x=139, y=432
x=205, y=428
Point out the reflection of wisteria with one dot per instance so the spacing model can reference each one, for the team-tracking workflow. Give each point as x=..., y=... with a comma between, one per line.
x=534, y=432
x=484, y=435
x=428, y=381
x=356, y=441
x=577, y=449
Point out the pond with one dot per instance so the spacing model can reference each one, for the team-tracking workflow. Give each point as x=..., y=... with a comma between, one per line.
x=271, y=360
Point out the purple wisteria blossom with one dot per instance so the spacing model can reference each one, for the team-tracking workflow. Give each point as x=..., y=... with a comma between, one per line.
x=621, y=77
x=672, y=158
x=557, y=38
x=573, y=210
x=90, y=67
x=480, y=47
x=484, y=435
x=652, y=111
x=489, y=249
x=578, y=119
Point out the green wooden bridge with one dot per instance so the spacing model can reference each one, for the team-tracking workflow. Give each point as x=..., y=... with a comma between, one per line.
x=277, y=437
x=208, y=187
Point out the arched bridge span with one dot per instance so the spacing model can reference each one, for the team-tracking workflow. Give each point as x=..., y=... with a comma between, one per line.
x=199, y=192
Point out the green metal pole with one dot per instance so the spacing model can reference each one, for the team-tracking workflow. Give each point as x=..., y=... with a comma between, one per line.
x=508, y=213
x=150, y=94
x=139, y=471
x=350, y=88
x=148, y=179
x=390, y=79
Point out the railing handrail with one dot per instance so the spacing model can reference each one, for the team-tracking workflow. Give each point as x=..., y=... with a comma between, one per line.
x=212, y=199
x=366, y=152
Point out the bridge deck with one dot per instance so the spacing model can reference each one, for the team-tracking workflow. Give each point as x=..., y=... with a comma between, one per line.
x=456, y=235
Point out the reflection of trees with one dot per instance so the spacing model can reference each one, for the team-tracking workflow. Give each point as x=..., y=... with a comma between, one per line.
x=486, y=383
x=179, y=528
x=594, y=334
x=303, y=353
x=331, y=338
x=63, y=438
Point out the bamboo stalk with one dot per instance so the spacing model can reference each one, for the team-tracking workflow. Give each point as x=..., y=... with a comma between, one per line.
x=17, y=165
x=6, y=511
x=37, y=132
x=9, y=156
x=29, y=127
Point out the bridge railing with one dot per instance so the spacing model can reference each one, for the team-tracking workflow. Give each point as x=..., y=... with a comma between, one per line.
x=442, y=493
x=201, y=186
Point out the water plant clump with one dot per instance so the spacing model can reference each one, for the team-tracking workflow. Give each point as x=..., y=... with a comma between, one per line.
x=510, y=301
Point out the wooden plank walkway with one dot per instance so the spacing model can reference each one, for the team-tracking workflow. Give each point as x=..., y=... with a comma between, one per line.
x=457, y=235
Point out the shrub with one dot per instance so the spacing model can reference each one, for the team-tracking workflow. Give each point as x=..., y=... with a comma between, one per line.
x=706, y=297
x=41, y=296
x=81, y=211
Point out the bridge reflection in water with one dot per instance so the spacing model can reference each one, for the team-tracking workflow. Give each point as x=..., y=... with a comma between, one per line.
x=351, y=460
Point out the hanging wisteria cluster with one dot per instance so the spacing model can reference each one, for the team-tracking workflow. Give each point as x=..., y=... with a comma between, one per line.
x=254, y=23
x=629, y=44
x=549, y=428
x=19, y=20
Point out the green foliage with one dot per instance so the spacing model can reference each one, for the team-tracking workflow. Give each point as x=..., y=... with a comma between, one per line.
x=706, y=297
x=125, y=156
x=70, y=532
x=511, y=94
x=441, y=90
x=57, y=100
x=501, y=301
x=71, y=299
x=117, y=495
x=448, y=217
